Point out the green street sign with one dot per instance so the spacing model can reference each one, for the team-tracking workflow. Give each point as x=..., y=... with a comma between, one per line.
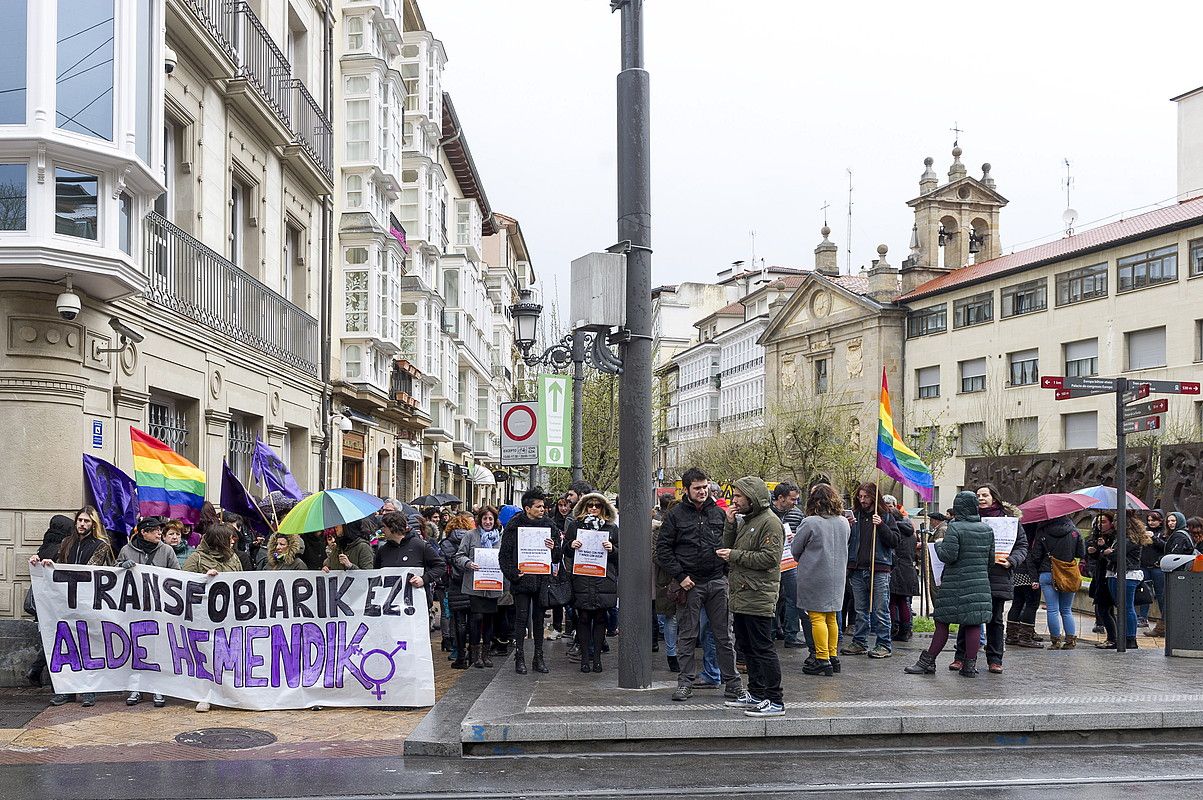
x=555, y=421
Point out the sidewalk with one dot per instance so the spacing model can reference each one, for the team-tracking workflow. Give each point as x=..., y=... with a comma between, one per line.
x=1040, y=691
x=33, y=732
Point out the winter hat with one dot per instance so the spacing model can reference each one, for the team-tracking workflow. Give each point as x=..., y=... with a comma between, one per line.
x=507, y=513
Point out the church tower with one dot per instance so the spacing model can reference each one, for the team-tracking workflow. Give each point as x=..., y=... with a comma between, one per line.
x=955, y=224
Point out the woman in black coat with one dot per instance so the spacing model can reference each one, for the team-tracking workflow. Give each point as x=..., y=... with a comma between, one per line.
x=1102, y=536
x=593, y=596
x=457, y=601
x=527, y=589
x=904, y=578
x=52, y=541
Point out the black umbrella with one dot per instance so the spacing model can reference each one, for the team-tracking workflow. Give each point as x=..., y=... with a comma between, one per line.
x=427, y=500
x=447, y=499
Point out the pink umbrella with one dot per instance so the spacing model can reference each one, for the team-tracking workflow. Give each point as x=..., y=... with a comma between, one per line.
x=1047, y=506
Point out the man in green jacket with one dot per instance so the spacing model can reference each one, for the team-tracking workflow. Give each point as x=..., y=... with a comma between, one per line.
x=752, y=547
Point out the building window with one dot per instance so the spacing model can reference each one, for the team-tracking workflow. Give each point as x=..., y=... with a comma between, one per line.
x=973, y=376
x=974, y=310
x=354, y=33
x=148, y=27
x=358, y=117
x=1148, y=269
x=1146, y=349
x=125, y=225
x=354, y=184
x=1025, y=367
x=972, y=434
x=242, y=209
x=292, y=266
x=167, y=424
x=1080, y=431
x=13, y=196
x=353, y=362
x=84, y=83
x=1082, y=358
x=1023, y=435
x=13, y=63
x=821, y=376
x=240, y=445
x=356, y=307
x=1025, y=298
x=927, y=321
x=928, y=380
x=1077, y=285
x=75, y=209
x=1196, y=257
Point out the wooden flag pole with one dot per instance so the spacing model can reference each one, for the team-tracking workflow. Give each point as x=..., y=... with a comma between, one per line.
x=873, y=545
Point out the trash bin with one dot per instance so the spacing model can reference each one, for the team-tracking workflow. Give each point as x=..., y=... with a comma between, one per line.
x=1184, y=613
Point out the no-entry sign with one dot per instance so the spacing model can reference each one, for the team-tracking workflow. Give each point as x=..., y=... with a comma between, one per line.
x=519, y=434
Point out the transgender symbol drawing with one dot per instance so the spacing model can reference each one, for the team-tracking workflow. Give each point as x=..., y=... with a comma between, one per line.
x=383, y=667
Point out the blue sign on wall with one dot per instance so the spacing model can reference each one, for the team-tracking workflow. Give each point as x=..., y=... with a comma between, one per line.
x=97, y=434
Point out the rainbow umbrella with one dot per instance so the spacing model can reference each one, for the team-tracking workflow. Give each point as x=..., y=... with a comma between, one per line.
x=1108, y=498
x=329, y=508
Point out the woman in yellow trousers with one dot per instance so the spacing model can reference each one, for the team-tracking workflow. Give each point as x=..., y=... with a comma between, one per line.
x=820, y=547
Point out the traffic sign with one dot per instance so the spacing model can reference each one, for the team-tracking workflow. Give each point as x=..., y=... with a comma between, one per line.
x=1096, y=385
x=555, y=429
x=1136, y=391
x=1144, y=409
x=1142, y=424
x=1070, y=394
x=519, y=424
x=1173, y=387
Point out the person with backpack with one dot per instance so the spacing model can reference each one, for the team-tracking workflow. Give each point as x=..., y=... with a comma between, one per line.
x=1056, y=548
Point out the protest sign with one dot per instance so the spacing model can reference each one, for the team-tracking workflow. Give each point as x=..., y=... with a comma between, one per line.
x=591, y=558
x=487, y=576
x=254, y=640
x=937, y=566
x=1005, y=530
x=787, y=558
x=533, y=556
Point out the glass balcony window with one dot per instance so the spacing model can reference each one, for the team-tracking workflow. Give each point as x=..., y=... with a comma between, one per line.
x=75, y=203
x=84, y=83
x=13, y=64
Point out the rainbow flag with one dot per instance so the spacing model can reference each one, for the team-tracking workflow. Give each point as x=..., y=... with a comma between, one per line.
x=894, y=458
x=169, y=485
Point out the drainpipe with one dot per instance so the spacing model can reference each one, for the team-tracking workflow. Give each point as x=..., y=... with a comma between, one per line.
x=327, y=236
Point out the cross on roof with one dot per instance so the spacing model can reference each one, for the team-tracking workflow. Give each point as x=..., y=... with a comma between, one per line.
x=824, y=208
x=957, y=131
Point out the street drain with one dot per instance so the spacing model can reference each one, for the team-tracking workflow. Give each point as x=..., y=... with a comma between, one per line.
x=226, y=738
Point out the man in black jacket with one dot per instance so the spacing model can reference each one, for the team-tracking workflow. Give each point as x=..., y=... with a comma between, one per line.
x=787, y=622
x=871, y=543
x=527, y=589
x=686, y=547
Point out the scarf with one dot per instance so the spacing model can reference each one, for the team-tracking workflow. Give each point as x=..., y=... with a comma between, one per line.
x=993, y=511
x=490, y=538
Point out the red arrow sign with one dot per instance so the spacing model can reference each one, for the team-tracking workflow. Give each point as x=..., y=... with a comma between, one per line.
x=1144, y=409
x=1052, y=382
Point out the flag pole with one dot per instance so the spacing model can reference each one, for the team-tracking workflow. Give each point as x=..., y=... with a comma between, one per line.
x=873, y=543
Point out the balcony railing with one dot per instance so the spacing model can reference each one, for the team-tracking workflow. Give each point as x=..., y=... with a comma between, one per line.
x=263, y=63
x=309, y=123
x=192, y=280
x=216, y=17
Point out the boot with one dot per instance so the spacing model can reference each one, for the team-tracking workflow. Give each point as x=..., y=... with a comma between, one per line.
x=835, y=664
x=461, y=660
x=969, y=669
x=474, y=656
x=926, y=665
x=1027, y=638
x=585, y=666
x=486, y=659
x=537, y=662
x=1055, y=644
x=446, y=644
x=1070, y=642
x=1013, y=632
x=597, y=665
x=1157, y=630
x=1131, y=643
x=519, y=660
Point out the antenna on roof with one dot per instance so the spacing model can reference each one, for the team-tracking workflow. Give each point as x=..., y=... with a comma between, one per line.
x=1069, y=216
x=848, y=262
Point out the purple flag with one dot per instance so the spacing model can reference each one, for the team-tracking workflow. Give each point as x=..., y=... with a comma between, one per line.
x=268, y=470
x=234, y=498
x=115, y=496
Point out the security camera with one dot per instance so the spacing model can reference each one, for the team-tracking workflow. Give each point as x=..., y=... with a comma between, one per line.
x=169, y=60
x=68, y=305
x=125, y=331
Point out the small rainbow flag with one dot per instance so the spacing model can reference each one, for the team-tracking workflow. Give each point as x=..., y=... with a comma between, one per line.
x=894, y=458
x=169, y=485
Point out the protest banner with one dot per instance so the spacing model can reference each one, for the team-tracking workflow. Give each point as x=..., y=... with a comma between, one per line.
x=1005, y=530
x=937, y=566
x=591, y=558
x=533, y=556
x=787, y=558
x=487, y=576
x=253, y=640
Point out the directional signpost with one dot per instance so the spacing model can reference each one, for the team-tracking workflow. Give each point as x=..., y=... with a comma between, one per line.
x=555, y=421
x=1130, y=417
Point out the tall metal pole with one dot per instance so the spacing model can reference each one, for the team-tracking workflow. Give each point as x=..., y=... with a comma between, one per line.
x=578, y=393
x=635, y=390
x=1121, y=521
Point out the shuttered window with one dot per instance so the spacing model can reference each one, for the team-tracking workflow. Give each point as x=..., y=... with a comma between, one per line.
x=928, y=380
x=1082, y=358
x=973, y=375
x=1146, y=349
x=1081, y=431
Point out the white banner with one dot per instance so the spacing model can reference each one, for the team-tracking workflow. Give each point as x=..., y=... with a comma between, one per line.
x=1006, y=530
x=534, y=558
x=254, y=640
x=591, y=558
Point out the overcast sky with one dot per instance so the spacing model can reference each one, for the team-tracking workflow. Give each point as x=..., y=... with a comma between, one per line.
x=760, y=106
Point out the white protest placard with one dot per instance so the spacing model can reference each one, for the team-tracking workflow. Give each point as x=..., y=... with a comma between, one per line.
x=591, y=558
x=1005, y=530
x=487, y=576
x=253, y=640
x=937, y=566
x=533, y=556
x=787, y=558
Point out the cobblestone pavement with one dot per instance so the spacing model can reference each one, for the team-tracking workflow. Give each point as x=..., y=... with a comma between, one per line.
x=113, y=732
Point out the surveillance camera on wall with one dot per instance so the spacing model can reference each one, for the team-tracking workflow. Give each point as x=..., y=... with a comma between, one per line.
x=169, y=60
x=125, y=331
x=68, y=304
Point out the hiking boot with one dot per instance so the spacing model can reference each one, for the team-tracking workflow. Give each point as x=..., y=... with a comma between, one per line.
x=134, y=699
x=61, y=699
x=1055, y=642
x=474, y=656
x=682, y=694
x=766, y=708
x=1027, y=637
x=744, y=701
x=88, y=699
x=854, y=649
x=880, y=651
x=462, y=661
x=835, y=664
x=159, y=700
x=1070, y=642
x=926, y=665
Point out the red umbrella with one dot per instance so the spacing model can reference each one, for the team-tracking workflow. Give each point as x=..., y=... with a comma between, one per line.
x=1047, y=506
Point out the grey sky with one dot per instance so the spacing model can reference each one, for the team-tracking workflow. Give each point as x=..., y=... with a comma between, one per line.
x=759, y=106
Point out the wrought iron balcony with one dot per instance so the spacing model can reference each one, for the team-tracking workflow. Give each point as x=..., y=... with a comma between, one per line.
x=311, y=126
x=263, y=63
x=188, y=278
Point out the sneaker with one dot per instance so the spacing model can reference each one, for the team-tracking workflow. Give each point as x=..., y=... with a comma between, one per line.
x=880, y=651
x=765, y=708
x=202, y=706
x=745, y=701
x=854, y=649
x=682, y=694
x=60, y=699
x=88, y=699
x=1142, y=623
x=730, y=693
x=706, y=685
x=159, y=700
x=133, y=699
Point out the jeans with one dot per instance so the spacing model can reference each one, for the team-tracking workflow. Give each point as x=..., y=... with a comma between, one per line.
x=879, y=625
x=711, y=596
x=755, y=637
x=668, y=629
x=787, y=622
x=1157, y=577
x=710, y=671
x=1129, y=596
x=1060, y=605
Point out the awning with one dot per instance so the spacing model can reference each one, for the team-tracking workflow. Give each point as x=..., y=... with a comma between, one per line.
x=483, y=477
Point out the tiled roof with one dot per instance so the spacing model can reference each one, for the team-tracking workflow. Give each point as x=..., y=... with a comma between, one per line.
x=735, y=309
x=789, y=282
x=1171, y=217
x=857, y=284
